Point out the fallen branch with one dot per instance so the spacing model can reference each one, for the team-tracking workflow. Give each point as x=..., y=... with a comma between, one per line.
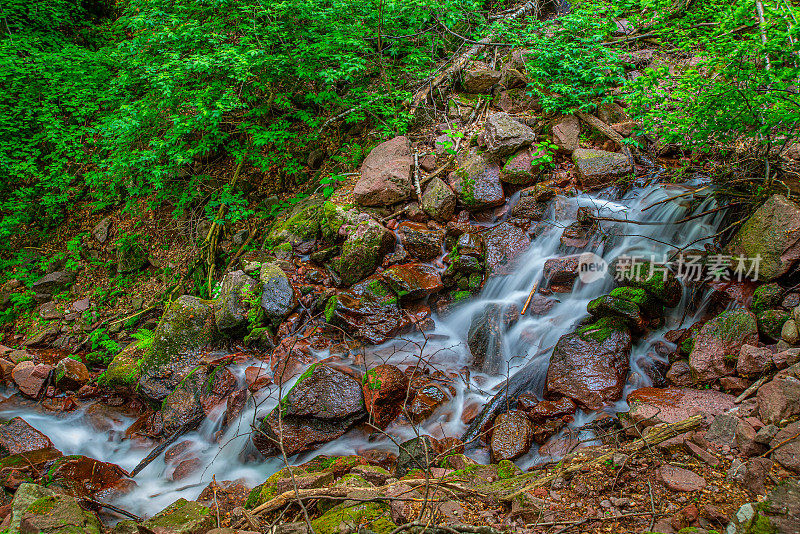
x=750, y=390
x=163, y=445
x=606, y=130
x=656, y=436
x=781, y=444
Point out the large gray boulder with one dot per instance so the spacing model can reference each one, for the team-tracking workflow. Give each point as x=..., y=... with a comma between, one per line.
x=506, y=135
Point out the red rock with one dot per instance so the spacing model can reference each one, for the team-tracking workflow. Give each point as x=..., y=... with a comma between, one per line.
x=588, y=369
x=652, y=406
x=385, y=174
x=419, y=240
x=86, y=477
x=753, y=360
x=71, y=374
x=177, y=450
x=788, y=454
x=718, y=339
x=733, y=384
x=385, y=390
x=702, y=453
x=17, y=436
x=429, y=397
x=778, y=399
x=552, y=408
x=186, y=468
x=566, y=133
x=545, y=430
x=746, y=439
x=512, y=435
x=559, y=274
x=685, y=518
x=30, y=378
x=470, y=412
x=412, y=281
x=679, y=479
x=504, y=245
x=6, y=367
x=257, y=378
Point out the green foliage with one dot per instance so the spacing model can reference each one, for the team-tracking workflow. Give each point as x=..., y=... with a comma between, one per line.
x=103, y=347
x=726, y=94
x=449, y=144
x=570, y=69
x=144, y=337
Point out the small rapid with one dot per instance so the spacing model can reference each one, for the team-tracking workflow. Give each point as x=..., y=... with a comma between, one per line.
x=653, y=231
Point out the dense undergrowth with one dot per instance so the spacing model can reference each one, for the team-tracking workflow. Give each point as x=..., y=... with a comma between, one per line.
x=110, y=103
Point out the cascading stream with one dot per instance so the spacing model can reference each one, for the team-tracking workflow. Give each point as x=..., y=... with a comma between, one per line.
x=526, y=348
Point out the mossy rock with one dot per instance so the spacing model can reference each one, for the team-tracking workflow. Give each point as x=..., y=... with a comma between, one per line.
x=334, y=216
x=269, y=488
x=766, y=297
x=58, y=514
x=507, y=469
x=608, y=306
x=125, y=369
x=370, y=515
x=302, y=223
x=602, y=328
x=655, y=279
x=186, y=326
x=182, y=517
x=770, y=323
x=362, y=251
x=646, y=302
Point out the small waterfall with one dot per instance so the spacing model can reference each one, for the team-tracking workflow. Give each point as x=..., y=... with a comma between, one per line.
x=527, y=344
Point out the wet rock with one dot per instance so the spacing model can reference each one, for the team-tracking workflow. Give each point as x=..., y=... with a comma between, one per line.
x=598, y=168
x=512, y=435
x=608, y=306
x=505, y=135
x=480, y=78
x=548, y=409
x=125, y=369
x=195, y=396
x=788, y=454
x=653, y=406
x=753, y=360
x=186, y=326
x=661, y=283
x=363, y=250
x=369, y=311
x=679, y=479
x=182, y=517
x=57, y=514
x=566, y=133
x=257, y=378
x=476, y=181
x=416, y=453
x=17, y=436
x=580, y=236
x=373, y=474
x=385, y=389
x=485, y=339
x=54, y=282
x=278, y=297
x=773, y=233
x=559, y=274
x=591, y=364
x=524, y=167
x=766, y=297
x=82, y=476
x=428, y=397
x=529, y=209
x=778, y=399
x=438, y=200
x=385, y=174
x=186, y=468
x=420, y=241
x=30, y=378
x=719, y=342
x=234, y=300
x=504, y=244
x=70, y=375
x=322, y=406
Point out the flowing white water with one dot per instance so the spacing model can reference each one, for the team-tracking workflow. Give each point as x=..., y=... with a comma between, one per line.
x=525, y=342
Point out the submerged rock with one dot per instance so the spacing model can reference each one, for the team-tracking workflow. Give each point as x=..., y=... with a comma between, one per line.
x=485, y=340
x=591, y=364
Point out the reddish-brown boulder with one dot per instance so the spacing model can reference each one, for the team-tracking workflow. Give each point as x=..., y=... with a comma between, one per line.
x=82, y=476
x=548, y=409
x=652, y=406
x=385, y=174
x=421, y=241
x=412, y=281
x=591, y=364
x=718, y=343
x=504, y=244
x=18, y=436
x=753, y=360
x=385, y=389
x=559, y=274
x=30, y=378
x=71, y=374
x=512, y=435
